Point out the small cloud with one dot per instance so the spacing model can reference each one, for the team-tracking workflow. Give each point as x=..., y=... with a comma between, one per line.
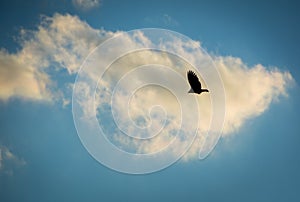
x=86, y=4
x=168, y=20
x=162, y=20
x=9, y=161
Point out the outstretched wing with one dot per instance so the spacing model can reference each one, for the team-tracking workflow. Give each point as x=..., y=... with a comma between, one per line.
x=194, y=81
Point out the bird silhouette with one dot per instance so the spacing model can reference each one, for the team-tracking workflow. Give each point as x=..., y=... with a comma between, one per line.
x=195, y=83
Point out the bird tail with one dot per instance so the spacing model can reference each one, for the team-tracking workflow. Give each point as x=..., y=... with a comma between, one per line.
x=191, y=91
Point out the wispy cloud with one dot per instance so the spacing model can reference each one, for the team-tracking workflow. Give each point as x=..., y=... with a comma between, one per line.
x=168, y=20
x=62, y=42
x=86, y=4
x=162, y=20
x=9, y=161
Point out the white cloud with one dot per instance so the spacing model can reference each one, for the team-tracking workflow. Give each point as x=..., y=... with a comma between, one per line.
x=162, y=20
x=20, y=77
x=9, y=161
x=168, y=20
x=62, y=42
x=86, y=4
x=249, y=92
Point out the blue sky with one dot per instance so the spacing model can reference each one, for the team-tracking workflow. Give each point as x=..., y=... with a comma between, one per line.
x=42, y=158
